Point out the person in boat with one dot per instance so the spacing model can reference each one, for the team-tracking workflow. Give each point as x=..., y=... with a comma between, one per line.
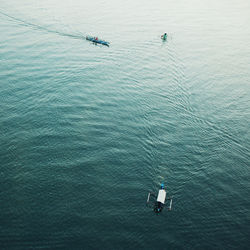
x=164, y=37
x=158, y=207
x=96, y=38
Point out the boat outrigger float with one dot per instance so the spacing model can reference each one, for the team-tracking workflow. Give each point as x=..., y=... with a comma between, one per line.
x=160, y=200
x=96, y=40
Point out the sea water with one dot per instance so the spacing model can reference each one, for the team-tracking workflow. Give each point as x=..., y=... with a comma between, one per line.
x=88, y=130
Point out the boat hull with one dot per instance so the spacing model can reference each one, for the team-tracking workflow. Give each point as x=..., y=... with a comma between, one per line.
x=92, y=39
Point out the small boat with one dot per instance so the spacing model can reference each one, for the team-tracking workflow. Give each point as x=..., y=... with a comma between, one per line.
x=96, y=40
x=160, y=200
x=164, y=37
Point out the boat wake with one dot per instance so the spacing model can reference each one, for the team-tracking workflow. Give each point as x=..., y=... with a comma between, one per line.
x=42, y=28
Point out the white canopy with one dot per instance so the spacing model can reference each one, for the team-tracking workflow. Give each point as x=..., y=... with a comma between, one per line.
x=161, y=196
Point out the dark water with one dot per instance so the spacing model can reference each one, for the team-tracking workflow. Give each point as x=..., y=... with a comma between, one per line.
x=87, y=131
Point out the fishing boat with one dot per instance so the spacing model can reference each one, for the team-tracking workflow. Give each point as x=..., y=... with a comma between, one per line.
x=96, y=40
x=160, y=200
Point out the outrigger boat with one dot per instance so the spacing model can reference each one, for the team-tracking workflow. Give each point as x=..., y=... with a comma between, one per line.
x=96, y=40
x=160, y=200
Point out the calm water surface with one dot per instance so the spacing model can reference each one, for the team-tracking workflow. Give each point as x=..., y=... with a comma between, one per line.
x=86, y=131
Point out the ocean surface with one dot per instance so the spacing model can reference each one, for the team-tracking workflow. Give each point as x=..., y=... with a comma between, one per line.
x=86, y=131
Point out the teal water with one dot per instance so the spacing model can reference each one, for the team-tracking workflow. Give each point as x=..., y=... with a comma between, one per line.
x=87, y=131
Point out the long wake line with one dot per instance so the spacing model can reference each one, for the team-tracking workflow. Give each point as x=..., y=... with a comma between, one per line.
x=39, y=27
